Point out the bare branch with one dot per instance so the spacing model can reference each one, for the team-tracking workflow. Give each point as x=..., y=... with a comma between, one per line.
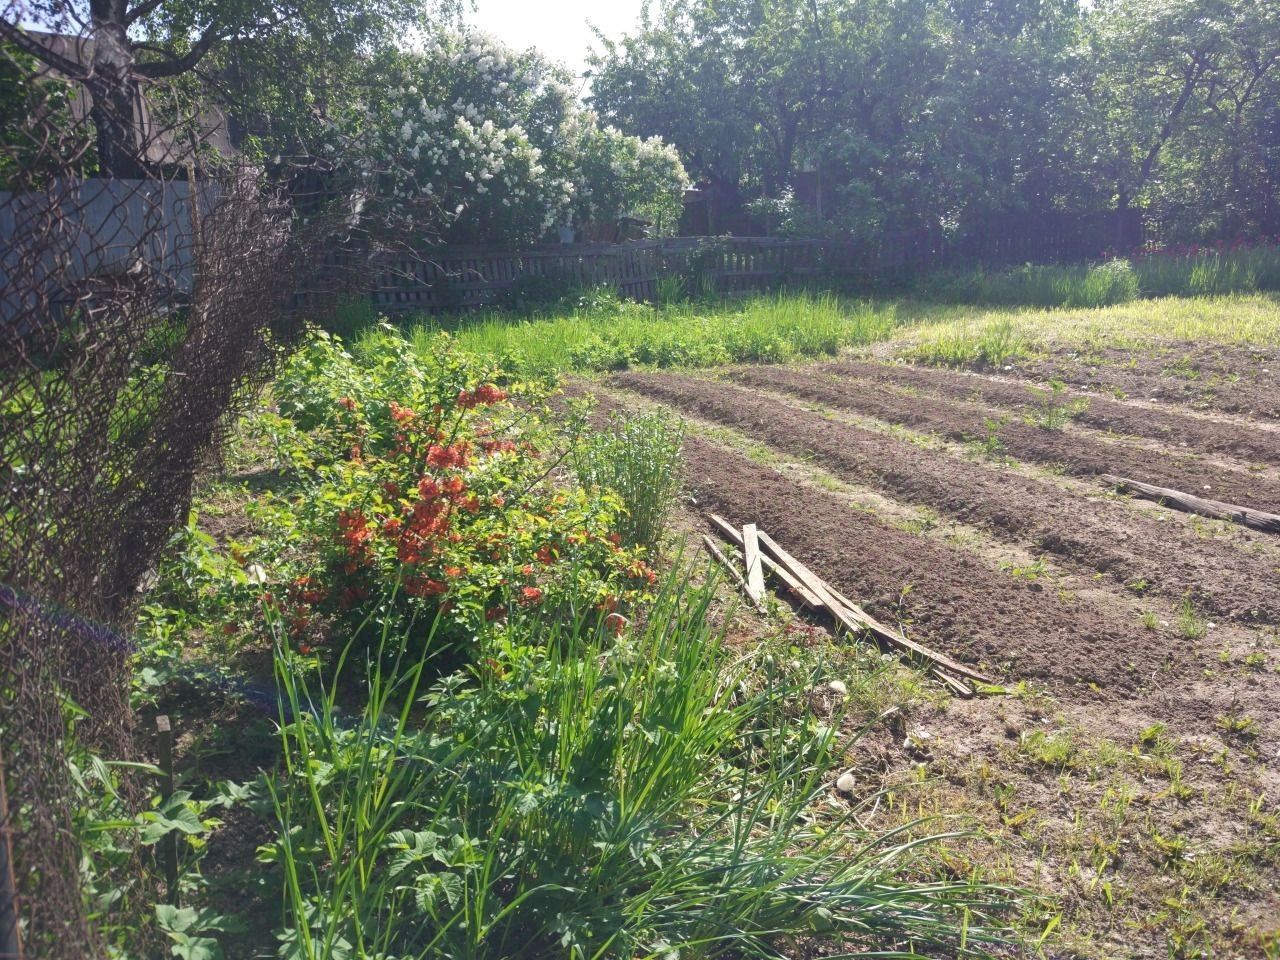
x=20, y=39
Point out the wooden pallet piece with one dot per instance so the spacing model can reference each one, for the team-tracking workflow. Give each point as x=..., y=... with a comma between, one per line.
x=857, y=620
x=806, y=596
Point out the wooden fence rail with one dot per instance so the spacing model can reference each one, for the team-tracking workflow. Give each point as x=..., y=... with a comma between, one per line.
x=447, y=279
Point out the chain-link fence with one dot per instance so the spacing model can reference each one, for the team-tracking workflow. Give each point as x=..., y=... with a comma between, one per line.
x=135, y=313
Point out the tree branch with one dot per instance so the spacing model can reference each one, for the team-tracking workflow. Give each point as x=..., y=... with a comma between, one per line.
x=140, y=11
x=177, y=65
x=19, y=38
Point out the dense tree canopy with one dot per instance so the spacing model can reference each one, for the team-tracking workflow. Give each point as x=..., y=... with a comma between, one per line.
x=914, y=112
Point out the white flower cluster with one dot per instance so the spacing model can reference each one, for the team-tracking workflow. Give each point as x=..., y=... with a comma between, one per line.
x=493, y=140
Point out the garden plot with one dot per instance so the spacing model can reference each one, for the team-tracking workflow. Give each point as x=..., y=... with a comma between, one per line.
x=1159, y=552
x=1139, y=643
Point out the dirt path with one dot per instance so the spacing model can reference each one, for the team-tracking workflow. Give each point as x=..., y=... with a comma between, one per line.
x=1079, y=454
x=1186, y=432
x=1130, y=547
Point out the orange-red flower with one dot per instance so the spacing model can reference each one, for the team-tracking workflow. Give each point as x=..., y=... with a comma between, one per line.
x=424, y=587
x=529, y=596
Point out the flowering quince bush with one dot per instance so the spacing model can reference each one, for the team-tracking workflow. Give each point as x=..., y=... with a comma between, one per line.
x=428, y=503
x=483, y=143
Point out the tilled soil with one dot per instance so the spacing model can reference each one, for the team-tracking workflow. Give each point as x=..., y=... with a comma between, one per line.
x=1078, y=454
x=1129, y=546
x=1260, y=445
x=944, y=597
x=1236, y=380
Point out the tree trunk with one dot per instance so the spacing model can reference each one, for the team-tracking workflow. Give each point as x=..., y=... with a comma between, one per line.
x=116, y=111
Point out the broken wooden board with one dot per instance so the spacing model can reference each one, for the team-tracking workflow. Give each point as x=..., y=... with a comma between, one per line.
x=1189, y=503
x=725, y=562
x=856, y=619
x=751, y=557
x=802, y=593
x=808, y=598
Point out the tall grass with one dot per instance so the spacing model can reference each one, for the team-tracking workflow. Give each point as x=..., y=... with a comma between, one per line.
x=590, y=797
x=767, y=328
x=1034, y=285
x=637, y=456
x=1191, y=272
x=1204, y=273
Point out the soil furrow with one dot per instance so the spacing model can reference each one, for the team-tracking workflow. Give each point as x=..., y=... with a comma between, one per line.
x=1078, y=454
x=944, y=597
x=1131, y=547
x=1186, y=432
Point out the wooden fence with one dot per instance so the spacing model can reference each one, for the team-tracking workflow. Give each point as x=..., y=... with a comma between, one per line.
x=461, y=278
x=447, y=279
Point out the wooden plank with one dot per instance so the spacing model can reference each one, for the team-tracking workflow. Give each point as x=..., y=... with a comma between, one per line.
x=856, y=620
x=751, y=556
x=1188, y=503
x=958, y=687
x=803, y=594
x=734, y=575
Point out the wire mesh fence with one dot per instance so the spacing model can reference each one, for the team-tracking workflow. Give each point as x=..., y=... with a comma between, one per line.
x=136, y=312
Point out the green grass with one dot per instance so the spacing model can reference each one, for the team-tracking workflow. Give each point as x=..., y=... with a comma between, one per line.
x=799, y=326
x=637, y=456
x=766, y=329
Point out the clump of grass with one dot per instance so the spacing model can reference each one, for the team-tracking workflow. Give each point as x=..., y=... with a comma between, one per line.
x=992, y=344
x=1190, y=624
x=1037, y=285
x=1053, y=409
x=591, y=797
x=637, y=456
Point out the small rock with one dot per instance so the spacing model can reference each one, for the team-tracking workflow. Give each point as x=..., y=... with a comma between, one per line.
x=846, y=783
x=838, y=688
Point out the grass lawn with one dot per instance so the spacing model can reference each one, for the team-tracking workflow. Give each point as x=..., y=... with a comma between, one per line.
x=792, y=326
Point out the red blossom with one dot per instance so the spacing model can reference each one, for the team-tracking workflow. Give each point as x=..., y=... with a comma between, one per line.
x=424, y=587
x=529, y=596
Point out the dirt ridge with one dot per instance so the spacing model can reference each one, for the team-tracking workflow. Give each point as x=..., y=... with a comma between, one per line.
x=1078, y=453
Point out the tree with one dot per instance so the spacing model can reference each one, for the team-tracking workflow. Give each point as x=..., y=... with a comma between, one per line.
x=908, y=111
x=1191, y=86
x=276, y=47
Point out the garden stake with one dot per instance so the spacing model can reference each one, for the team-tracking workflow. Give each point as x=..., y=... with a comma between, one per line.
x=169, y=845
x=10, y=932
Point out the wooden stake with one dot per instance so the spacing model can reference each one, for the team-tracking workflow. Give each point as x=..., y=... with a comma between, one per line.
x=169, y=843
x=1186, y=502
x=751, y=557
x=732, y=571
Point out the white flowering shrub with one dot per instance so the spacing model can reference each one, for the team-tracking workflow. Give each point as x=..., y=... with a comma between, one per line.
x=470, y=141
x=621, y=175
